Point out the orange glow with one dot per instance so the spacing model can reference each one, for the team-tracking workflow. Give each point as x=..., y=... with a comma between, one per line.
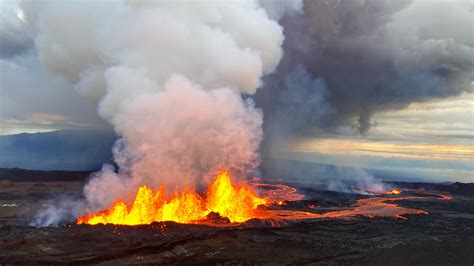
x=394, y=192
x=279, y=192
x=376, y=207
x=445, y=197
x=238, y=203
x=357, y=147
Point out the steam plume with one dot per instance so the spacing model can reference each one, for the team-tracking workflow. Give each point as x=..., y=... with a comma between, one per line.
x=168, y=77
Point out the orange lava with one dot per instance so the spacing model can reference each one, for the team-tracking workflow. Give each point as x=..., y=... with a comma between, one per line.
x=376, y=207
x=369, y=207
x=445, y=197
x=279, y=193
x=394, y=192
x=238, y=203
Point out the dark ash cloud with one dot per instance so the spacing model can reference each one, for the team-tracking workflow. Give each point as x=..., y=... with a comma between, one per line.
x=14, y=35
x=367, y=56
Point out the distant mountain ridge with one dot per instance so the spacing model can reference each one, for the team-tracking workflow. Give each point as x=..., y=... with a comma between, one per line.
x=86, y=150
x=72, y=150
x=22, y=175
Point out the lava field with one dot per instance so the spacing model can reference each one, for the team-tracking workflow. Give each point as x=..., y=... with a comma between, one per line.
x=442, y=235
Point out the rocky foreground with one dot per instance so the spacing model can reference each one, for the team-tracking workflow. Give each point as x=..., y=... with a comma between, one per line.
x=444, y=236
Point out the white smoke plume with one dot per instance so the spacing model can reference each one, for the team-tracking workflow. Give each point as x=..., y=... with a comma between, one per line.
x=179, y=136
x=168, y=76
x=355, y=180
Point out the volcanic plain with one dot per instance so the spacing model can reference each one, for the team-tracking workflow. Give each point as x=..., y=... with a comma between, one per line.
x=442, y=235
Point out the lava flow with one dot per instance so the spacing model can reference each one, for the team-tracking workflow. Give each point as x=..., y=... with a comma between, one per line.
x=376, y=207
x=237, y=203
x=394, y=192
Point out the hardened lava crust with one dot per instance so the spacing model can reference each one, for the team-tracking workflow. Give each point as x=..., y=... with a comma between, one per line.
x=442, y=236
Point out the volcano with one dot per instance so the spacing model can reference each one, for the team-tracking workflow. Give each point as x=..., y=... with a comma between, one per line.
x=250, y=132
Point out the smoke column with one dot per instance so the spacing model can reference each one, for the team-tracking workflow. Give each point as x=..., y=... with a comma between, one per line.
x=346, y=60
x=168, y=76
x=357, y=58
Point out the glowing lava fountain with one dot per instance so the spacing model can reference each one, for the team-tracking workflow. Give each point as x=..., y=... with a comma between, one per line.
x=394, y=192
x=237, y=203
x=233, y=203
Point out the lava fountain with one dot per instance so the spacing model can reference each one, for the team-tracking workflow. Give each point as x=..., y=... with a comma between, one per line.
x=394, y=192
x=234, y=203
x=238, y=203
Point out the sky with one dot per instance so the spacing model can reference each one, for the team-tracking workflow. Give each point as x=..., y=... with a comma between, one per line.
x=424, y=128
x=432, y=140
x=31, y=98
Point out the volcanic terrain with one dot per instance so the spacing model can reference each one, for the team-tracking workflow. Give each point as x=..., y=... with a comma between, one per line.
x=425, y=224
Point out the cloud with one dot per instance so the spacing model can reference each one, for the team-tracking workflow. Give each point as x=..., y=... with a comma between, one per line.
x=33, y=100
x=276, y=9
x=169, y=78
x=430, y=140
x=300, y=103
x=438, y=121
x=371, y=56
x=14, y=36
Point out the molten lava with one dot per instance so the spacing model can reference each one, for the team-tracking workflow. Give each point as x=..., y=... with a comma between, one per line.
x=238, y=203
x=376, y=207
x=394, y=192
x=226, y=202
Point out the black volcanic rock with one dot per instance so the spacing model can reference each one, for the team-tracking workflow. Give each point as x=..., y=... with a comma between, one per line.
x=216, y=218
x=444, y=236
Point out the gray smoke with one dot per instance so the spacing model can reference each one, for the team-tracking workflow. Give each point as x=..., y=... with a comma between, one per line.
x=14, y=35
x=301, y=102
x=363, y=182
x=169, y=77
x=367, y=56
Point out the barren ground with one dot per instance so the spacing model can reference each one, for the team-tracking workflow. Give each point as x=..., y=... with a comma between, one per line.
x=445, y=236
